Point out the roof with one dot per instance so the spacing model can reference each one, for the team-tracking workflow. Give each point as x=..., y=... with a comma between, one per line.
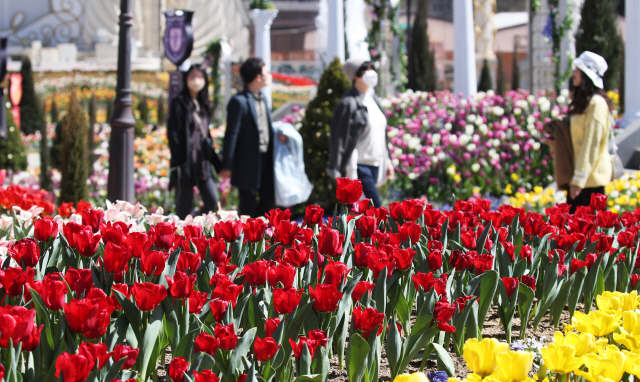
x=506, y=20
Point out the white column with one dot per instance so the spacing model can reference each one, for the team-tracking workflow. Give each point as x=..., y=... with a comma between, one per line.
x=464, y=70
x=631, y=59
x=262, y=19
x=335, y=46
x=568, y=44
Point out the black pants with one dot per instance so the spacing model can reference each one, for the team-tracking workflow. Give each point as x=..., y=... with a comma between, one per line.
x=584, y=199
x=184, y=196
x=368, y=175
x=255, y=203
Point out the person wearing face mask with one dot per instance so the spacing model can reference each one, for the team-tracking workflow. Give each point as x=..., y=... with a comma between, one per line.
x=358, y=130
x=191, y=146
x=248, y=148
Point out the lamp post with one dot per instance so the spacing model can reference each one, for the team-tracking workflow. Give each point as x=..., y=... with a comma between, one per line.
x=120, y=186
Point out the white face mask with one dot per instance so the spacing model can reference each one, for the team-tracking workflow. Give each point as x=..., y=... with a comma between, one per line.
x=370, y=77
x=195, y=84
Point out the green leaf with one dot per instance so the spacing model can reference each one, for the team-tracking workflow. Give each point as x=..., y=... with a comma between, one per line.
x=444, y=360
x=149, y=343
x=321, y=364
x=526, y=297
x=483, y=239
x=576, y=290
x=131, y=311
x=310, y=378
x=114, y=370
x=305, y=361
x=242, y=349
x=488, y=287
x=41, y=311
x=185, y=347
x=561, y=300
x=394, y=348
x=356, y=357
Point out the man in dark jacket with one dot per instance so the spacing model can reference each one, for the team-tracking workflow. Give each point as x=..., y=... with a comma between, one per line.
x=248, y=147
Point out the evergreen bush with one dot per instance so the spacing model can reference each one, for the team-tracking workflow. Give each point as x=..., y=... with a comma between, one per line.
x=143, y=109
x=54, y=110
x=422, y=63
x=56, y=147
x=515, y=74
x=598, y=33
x=30, y=113
x=91, y=133
x=486, y=82
x=315, y=133
x=75, y=165
x=13, y=155
x=162, y=115
x=500, y=86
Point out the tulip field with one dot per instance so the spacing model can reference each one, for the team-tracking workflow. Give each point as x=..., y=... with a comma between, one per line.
x=118, y=294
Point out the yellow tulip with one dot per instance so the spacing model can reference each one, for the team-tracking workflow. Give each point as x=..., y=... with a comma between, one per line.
x=481, y=355
x=630, y=331
x=513, y=366
x=596, y=322
x=415, y=377
x=561, y=359
x=632, y=362
x=583, y=343
x=611, y=302
x=610, y=365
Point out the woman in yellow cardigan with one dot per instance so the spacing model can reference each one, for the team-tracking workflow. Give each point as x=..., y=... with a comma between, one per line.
x=590, y=112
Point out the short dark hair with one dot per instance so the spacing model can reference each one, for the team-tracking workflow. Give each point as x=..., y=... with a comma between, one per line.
x=363, y=68
x=250, y=69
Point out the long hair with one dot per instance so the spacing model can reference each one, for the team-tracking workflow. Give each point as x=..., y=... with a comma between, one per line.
x=583, y=93
x=203, y=94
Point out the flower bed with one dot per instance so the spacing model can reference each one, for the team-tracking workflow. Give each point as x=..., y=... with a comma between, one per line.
x=102, y=294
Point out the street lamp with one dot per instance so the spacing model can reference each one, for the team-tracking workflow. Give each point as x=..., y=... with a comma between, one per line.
x=120, y=186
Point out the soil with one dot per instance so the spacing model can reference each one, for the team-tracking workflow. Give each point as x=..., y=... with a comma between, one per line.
x=491, y=329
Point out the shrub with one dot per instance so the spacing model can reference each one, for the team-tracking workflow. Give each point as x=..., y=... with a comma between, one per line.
x=75, y=166
x=13, y=155
x=30, y=112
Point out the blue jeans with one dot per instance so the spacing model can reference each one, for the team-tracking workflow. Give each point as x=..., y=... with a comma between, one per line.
x=368, y=175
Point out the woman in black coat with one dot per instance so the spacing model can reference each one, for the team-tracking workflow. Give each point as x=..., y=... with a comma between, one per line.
x=191, y=146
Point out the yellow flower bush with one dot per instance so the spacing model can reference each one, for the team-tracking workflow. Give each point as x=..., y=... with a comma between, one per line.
x=480, y=355
x=415, y=377
x=513, y=366
x=597, y=322
x=612, y=302
x=632, y=362
x=610, y=364
x=629, y=335
x=561, y=359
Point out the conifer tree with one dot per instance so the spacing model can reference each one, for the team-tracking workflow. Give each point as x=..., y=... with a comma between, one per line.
x=315, y=133
x=30, y=112
x=598, y=33
x=162, y=115
x=45, y=161
x=515, y=74
x=421, y=65
x=91, y=132
x=486, y=82
x=13, y=155
x=500, y=86
x=75, y=168
x=54, y=110
x=143, y=108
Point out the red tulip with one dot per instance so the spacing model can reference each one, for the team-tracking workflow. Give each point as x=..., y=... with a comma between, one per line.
x=116, y=258
x=326, y=297
x=43, y=229
x=254, y=230
x=1, y=372
x=53, y=293
x=285, y=232
x=227, y=336
x=197, y=301
x=526, y=253
x=79, y=280
x=205, y=376
x=281, y=273
x=348, y=190
x=483, y=263
x=115, y=233
x=434, y=260
x=443, y=312
x=468, y=239
x=74, y=368
x=177, y=368
x=228, y=231
x=275, y=216
x=25, y=252
x=403, y=258
x=85, y=241
x=577, y=264
x=426, y=281
x=360, y=289
x=17, y=324
x=410, y=231
x=207, y=344
x=181, y=285
x=510, y=284
x=271, y=325
x=32, y=342
x=626, y=239
x=152, y=263
x=510, y=249
x=121, y=351
x=313, y=215
x=188, y=261
x=297, y=255
x=598, y=202
x=255, y=274
x=413, y=208
x=367, y=320
x=265, y=348
x=14, y=279
x=193, y=231
x=334, y=273
x=330, y=242
x=218, y=309
x=461, y=302
x=634, y=280
x=148, y=295
x=461, y=261
x=138, y=242
x=227, y=291
x=90, y=316
x=316, y=338
x=285, y=300
x=362, y=253
x=95, y=353
x=305, y=236
x=92, y=218
x=367, y=225
x=529, y=281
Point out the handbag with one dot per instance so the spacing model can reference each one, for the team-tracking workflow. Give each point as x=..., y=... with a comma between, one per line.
x=616, y=162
